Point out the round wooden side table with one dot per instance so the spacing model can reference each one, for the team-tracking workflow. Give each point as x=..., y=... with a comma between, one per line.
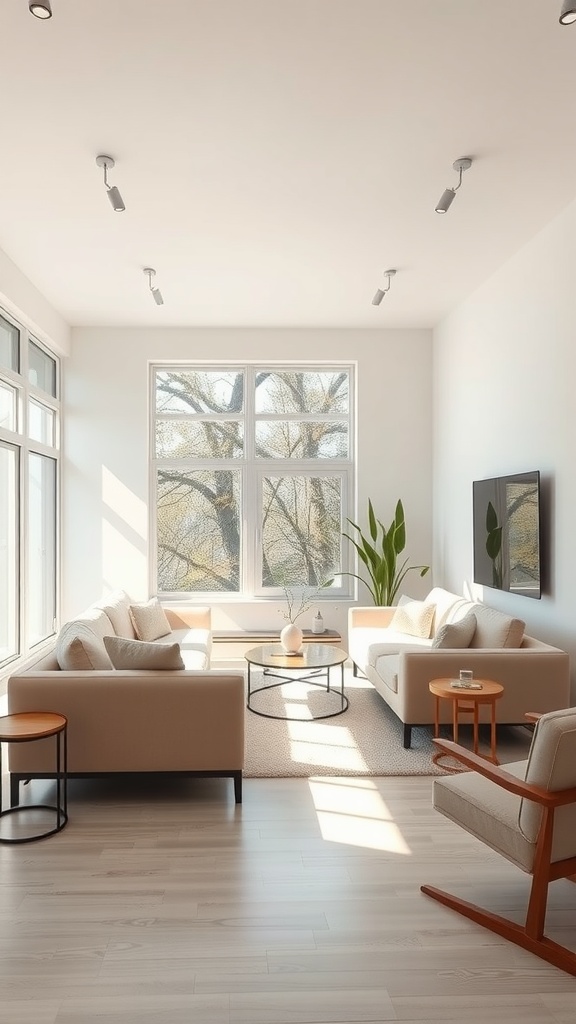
x=466, y=702
x=38, y=725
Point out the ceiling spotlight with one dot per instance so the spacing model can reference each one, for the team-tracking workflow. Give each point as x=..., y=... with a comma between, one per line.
x=568, y=12
x=150, y=273
x=447, y=197
x=381, y=292
x=40, y=9
x=113, y=193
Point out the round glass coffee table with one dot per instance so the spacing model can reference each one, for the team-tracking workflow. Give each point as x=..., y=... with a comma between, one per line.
x=311, y=665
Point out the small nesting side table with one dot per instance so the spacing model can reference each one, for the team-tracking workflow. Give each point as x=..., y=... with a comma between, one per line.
x=38, y=725
x=466, y=702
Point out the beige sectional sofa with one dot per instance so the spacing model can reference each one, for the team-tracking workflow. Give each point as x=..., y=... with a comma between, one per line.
x=535, y=676
x=187, y=720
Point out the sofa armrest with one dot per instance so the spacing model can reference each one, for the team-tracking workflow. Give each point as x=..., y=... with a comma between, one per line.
x=530, y=677
x=371, y=616
x=188, y=616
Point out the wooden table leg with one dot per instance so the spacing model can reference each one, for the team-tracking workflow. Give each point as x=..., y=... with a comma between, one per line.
x=436, y=717
x=455, y=719
x=476, y=726
x=493, y=732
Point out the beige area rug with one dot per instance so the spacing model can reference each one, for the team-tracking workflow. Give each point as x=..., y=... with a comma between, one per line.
x=365, y=740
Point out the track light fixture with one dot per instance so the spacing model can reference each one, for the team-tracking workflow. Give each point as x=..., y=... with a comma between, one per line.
x=381, y=292
x=40, y=9
x=568, y=12
x=150, y=273
x=447, y=197
x=113, y=193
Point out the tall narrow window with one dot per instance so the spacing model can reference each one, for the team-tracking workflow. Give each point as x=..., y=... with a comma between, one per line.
x=29, y=432
x=8, y=551
x=253, y=477
x=41, y=588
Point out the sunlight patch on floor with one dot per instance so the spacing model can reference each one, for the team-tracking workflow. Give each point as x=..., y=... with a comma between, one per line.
x=330, y=746
x=352, y=811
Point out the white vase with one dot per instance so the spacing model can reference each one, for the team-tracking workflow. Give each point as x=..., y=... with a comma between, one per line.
x=291, y=638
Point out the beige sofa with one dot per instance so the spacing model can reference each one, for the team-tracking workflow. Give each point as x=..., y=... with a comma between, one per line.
x=535, y=676
x=188, y=720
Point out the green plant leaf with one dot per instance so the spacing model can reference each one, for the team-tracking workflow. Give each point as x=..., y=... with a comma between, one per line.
x=494, y=543
x=491, y=518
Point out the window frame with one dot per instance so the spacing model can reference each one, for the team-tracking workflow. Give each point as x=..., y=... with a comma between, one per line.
x=253, y=470
x=19, y=438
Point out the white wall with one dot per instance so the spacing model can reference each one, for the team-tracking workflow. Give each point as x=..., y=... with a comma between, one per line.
x=105, y=536
x=22, y=299
x=504, y=402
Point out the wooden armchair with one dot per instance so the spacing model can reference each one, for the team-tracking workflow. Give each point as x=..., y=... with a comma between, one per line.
x=525, y=811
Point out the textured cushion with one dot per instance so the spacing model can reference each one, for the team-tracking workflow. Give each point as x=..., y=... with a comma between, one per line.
x=413, y=617
x=149, y=620
x=456, y=635
x=117, y=608
x=496, y=629
x=486, y=811
x=552, y=765
x=80, y=649
x=139, y=654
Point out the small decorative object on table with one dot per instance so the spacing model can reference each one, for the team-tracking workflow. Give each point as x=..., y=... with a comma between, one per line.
x=296, y=604
x=291, y=638
x=318, y=623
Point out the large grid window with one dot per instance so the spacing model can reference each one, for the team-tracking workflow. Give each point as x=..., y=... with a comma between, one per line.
x=29, y=438
x=252, y=476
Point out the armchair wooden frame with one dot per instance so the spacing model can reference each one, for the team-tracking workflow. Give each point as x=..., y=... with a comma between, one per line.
x=530, y=935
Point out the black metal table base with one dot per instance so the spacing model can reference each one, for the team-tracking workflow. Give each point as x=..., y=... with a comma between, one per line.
x=60, y=809
x=309, y=678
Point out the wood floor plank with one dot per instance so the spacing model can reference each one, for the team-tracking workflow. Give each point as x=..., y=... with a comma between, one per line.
x=166, y=904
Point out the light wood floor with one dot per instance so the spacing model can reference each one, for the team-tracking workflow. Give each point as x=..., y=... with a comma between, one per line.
x=164, y=903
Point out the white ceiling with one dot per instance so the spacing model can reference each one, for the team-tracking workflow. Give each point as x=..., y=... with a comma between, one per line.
x=277, y=156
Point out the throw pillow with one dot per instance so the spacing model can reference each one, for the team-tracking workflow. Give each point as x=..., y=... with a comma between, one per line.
x=456, y=635
x=80, y=649
x=117, y=608
x=149, y=620
x=413, y=617
x=139, y=654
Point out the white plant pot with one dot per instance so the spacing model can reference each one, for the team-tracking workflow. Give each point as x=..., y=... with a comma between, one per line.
x=291, y=638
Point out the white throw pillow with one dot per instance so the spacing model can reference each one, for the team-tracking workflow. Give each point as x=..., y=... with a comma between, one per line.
x=117, y=608
x=456, y=635
x=149, y=620
x=80, y=649
x=139, y=654
x=413, y=617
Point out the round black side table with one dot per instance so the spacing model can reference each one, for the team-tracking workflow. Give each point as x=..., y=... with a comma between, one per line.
x=38, y=725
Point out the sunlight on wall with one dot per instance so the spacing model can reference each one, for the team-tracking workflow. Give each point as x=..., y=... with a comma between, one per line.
x=352, y=811
x=124, y=533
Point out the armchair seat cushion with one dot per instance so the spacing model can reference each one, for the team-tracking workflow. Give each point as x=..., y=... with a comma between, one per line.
x=487, y=812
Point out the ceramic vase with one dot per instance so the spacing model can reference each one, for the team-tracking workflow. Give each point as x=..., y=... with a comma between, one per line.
x=291, y=638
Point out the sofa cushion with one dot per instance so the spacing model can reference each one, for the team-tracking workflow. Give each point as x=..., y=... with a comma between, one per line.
x=149, y=620
x=131, y=654
x=387, y=667
x=117, y=608
x=413, y=618
x=456, y=635
x=445, y=603
x=496, y=629
x=80, y=649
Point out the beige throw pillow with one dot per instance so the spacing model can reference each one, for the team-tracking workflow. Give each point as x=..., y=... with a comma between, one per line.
x=117, y=608
x=413, y=617
x=80, y=649
x=149, y=620
x=456, y=635
x=139, y=654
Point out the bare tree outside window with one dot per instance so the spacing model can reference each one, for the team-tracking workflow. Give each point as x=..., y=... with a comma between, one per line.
x=250, y=452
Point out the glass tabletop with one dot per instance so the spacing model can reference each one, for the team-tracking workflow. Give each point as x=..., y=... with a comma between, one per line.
x=311, y=656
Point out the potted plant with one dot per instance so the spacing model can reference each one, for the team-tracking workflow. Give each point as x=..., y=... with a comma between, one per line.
x=379, y=552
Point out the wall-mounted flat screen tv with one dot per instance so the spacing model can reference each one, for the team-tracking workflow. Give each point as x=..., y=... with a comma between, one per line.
x=507, y=533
